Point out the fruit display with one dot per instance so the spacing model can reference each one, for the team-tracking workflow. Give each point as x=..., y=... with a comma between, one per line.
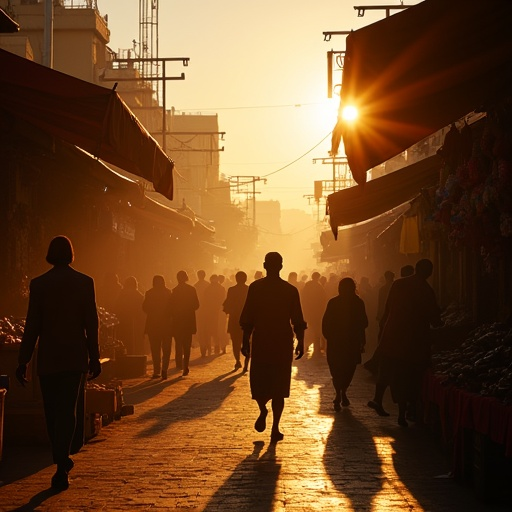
x=482, y=363
x=107, y=319
x=11, y=330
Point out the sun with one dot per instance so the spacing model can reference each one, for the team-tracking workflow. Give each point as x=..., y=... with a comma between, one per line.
x=349, y=113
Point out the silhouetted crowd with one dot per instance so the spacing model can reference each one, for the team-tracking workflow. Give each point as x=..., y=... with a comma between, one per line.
x=268, y=323
x=344, y=320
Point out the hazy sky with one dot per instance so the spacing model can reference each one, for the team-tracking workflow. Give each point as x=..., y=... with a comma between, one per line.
x=261, y=65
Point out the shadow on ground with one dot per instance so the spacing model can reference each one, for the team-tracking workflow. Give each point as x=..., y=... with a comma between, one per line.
x=257, y=471
x=206, y=397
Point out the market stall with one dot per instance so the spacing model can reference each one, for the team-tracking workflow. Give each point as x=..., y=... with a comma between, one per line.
x=468, y=400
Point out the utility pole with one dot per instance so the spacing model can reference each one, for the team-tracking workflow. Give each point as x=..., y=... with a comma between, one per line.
x=340, y=173
x=335, y=59
x=388, y=8
x=48, y=34
x=241, y=184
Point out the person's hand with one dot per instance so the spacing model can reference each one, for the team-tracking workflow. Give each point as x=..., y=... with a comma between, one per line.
x=94, y=369
x=246, y=349
x=299, y=349
x=21, y=374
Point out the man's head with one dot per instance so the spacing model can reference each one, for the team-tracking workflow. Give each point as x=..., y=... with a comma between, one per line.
x=315, y=276
x=201, y=274
x=182, y=276
x=158, y=281
x=389, y=276
x=60, y=251
x=406, y=271
x=241, y=277
x=424, y=268
x=273, y=262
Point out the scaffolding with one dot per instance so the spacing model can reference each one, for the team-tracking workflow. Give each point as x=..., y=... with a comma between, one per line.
x=148, y=44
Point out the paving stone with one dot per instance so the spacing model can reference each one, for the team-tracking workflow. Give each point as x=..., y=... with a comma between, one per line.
x=191, y=446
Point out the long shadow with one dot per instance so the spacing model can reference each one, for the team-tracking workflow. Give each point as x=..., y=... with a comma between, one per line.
x=351, y=461
x=150, y=388
x=198, y=401
x=36, y=500
x=252, y=485
x=19, y=461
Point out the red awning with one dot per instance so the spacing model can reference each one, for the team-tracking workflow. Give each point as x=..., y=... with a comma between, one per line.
x=89, y=116
x=363, y=202
x=418, y=71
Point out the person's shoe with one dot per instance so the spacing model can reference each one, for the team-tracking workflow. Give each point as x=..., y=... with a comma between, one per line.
x=336, y=405
x=155, y=376
x=60, y=480
x=164, y=375
x=69, y=465
x=377, y=408
x=238, y=365
x=276, y=436
x=345, y=402
x=261, y=422
x=186, y=371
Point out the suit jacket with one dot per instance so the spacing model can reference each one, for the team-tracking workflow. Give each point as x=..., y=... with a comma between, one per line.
x=184, y=306
x=62, y=315
x=233, y=305
x=157, y=306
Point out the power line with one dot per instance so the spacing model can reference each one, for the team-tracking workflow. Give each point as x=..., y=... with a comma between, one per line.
x=247, y=107
x=297, y=159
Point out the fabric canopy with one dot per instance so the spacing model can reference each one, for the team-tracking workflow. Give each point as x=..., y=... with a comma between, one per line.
x=362, y=202
x=418, y=71
x=161, y=215
x=352, y=238
x=7, y=24
x=89, y=116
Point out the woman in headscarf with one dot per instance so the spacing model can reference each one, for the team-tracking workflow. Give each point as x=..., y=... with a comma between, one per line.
x=343, y=326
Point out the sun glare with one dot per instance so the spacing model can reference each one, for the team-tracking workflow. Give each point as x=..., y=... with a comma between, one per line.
x=349, y=113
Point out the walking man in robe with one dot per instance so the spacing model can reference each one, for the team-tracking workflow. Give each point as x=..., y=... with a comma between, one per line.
x=272, y=314
x=404, y=347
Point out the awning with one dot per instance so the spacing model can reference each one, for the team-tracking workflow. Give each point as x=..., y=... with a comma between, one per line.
x=163, y=216
x=356, y=237
x=7, y=24
x=89, y=116
x=362, y=202
x=418, y=71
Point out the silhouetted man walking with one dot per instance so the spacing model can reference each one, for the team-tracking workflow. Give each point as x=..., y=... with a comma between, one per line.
x=271, y=309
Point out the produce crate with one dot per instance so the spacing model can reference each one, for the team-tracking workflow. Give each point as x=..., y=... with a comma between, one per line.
x=102, y=401
x=92, y=425
x=2, y=400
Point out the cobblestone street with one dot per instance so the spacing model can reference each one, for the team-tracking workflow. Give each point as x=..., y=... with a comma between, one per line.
x=191, y=445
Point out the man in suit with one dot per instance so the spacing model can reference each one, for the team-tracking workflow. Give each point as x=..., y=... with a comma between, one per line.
x=233, y=306
x=63, y=319
x=184, y=304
